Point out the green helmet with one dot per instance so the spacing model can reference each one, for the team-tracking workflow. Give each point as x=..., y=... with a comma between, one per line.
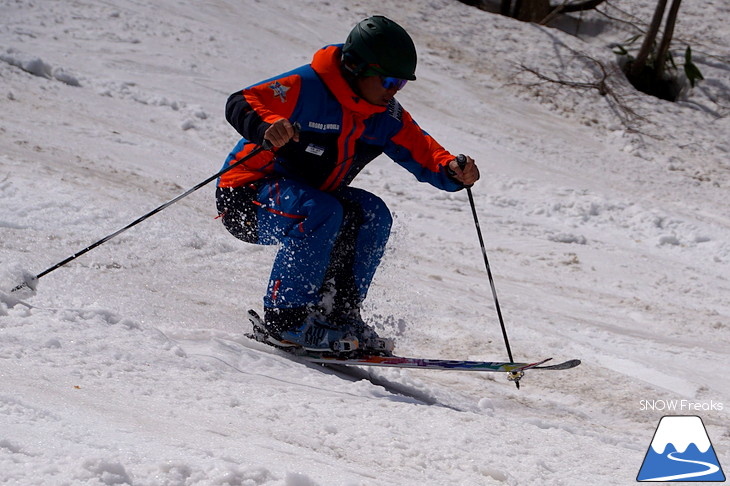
x=381, y=44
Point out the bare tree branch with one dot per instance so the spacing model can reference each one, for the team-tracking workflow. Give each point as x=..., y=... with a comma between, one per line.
x=629, y=118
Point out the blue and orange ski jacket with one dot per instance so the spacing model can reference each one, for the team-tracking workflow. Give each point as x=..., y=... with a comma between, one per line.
x=339, y=134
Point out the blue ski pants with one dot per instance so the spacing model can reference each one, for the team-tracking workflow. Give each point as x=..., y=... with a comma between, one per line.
x=336, y=238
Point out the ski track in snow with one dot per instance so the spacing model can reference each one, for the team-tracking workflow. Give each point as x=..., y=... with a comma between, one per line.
x=129, y=366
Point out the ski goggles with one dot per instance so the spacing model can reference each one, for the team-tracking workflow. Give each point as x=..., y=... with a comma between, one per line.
x=388, y=82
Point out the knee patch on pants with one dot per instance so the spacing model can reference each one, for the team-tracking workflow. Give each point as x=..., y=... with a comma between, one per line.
x=238, y=212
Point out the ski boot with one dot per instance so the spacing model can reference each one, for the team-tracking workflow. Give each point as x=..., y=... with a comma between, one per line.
x=261, y=333
x=316, y=334
x=312, y=333
x=370, y=341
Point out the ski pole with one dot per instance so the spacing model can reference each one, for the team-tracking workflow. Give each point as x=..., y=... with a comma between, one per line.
x=265, y=146
x=461, y=160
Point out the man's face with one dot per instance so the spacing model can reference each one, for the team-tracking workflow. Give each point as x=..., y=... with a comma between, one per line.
x=371, y=89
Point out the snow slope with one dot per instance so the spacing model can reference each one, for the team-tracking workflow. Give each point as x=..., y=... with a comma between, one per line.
x=129, y=366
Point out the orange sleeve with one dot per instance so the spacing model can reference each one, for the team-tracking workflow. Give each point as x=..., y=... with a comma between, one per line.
x=253, y=109
x=422, y=155
x=423, y=148
x=274, y=99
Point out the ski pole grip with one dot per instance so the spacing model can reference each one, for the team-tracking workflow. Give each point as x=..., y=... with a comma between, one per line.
x=267, y=145
x=461, y=161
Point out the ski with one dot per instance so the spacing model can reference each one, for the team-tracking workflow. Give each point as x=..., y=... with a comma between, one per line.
x=362, y=358
x=436, y=364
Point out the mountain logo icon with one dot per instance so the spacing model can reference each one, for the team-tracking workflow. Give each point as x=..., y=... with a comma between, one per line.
x=681, y=451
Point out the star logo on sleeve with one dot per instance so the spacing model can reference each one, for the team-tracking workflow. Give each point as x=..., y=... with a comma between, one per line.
x=279, y=91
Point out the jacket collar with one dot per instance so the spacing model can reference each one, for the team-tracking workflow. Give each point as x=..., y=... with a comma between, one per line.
x=326, y=63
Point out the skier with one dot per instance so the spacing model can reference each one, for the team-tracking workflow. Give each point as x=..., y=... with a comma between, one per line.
x=326, y=121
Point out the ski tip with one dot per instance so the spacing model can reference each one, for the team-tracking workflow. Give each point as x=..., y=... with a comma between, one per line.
x=571, y=362
x=565, y=365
